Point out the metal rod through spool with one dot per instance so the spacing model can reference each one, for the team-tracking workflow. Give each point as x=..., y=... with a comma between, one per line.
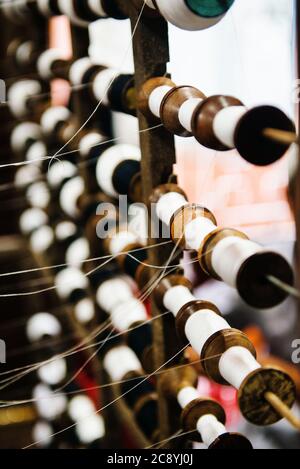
x=282, y=409
x=281, y=136
x=283, y=286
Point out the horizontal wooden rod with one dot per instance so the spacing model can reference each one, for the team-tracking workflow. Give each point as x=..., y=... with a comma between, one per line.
x=289, y=289
x=281, y=136
x=282, y=409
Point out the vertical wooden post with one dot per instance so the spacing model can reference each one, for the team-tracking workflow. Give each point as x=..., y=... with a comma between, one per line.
x=151, y=55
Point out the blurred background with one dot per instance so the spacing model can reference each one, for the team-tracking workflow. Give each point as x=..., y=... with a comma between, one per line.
x=250, y=55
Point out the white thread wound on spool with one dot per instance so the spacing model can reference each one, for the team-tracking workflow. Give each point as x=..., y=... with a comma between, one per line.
x=127, y=313
x=42, y=324
x=19, y=93
x=186, y=112
x=196, y=231
x=65, y=229
x=37, y=151
x=23, y=52
x=101, y=84
x=89, y=141
x=68, y=280
x=45, y=62
x=38, y=195
x=70, y=194
x=84, y=311
x=229, y=254
x=59, y=171
x=201, y=326
x=90, y=429
x=78, y=70
x=156, y=98
x=187, y=395
x=108, y=162
x=22, y=7
x=21, y=10
x=8, y=9
x=168, y=204
x=210, y=429
x=77, y=252
x=176, y=297
x=54, y=116
x=54, y=372
x=22, y=132
x=225, y=122
x=80, y=407
x=236, y=364
x=150, y=4
x=67, y=8
x=178, y=13
x=32, y=219
x=49, y=404
x=120, y=240
x=97, y=8
x=113, y=292
x=44, y=7
x=26, y=174
x=42, y=434
x=119, y=361
x=41, y=239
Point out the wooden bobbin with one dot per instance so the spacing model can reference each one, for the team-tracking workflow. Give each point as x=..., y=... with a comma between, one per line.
x=32, y=54
x=171, y=104
x=183, y=216
x=60, y=68
x=253, y=404
x=203, y=118
x=37, y=105
x=145, y=91
x=150, y=12
x=147, y=359
x=135, y=192
x=252, y=279
x=88, y=208
x=126, y=179
x=130, y=99
x=231, y=441
x=166, y=284
x=216, y=345
x=142, y=401
x=113, y=10
x=118, y=228
x=64, y=130
x=146, y=414
x=122, y=94
x=140, y=339
x=142, y=276
x=250, y=140
x=164, y=189
x=187, y=311
x=176, y=379
x=12, y=48
x=206, y=250
x=197, y=409
x=121, y=259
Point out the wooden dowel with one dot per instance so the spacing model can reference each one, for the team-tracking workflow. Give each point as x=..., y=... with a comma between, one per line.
x=283, y=286
x=281, y=136
x=282, y=409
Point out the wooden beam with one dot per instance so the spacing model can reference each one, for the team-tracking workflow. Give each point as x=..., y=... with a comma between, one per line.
x=151, y=55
